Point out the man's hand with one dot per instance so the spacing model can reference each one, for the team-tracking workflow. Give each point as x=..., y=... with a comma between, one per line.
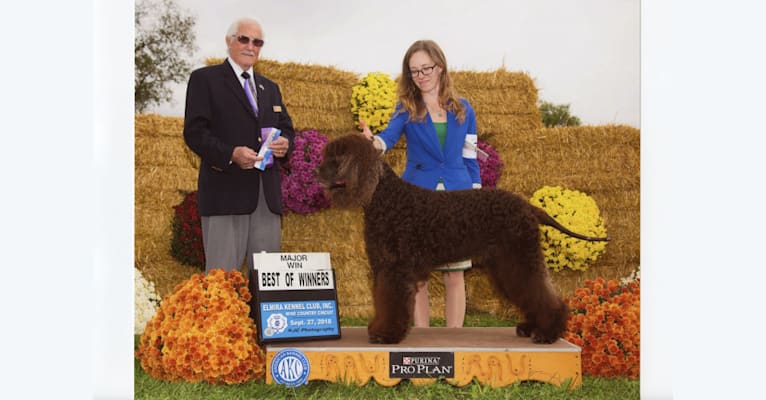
x=245, y=157
x=279, y=147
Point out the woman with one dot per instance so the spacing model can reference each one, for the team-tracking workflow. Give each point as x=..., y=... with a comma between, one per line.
x=441, y=137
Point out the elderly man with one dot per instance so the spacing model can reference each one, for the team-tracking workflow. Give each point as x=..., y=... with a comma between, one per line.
x=229, y=112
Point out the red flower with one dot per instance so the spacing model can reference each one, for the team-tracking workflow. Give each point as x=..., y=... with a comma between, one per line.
x=186, y=243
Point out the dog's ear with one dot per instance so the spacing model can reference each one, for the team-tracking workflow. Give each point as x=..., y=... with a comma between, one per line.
x=351, y=164
x=360, y=167
x=347, y=169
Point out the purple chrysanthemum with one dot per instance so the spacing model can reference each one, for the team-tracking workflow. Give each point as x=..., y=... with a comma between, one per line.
x=301, y=193
x=491, y=168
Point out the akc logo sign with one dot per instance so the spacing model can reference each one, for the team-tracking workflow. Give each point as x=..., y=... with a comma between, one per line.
x=290, y=367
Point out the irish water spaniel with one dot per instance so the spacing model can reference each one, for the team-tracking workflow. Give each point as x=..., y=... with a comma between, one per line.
x=408, y=231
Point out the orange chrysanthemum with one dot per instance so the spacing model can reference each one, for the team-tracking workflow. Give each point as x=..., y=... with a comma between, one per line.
x=605, y=323
x=203, y=332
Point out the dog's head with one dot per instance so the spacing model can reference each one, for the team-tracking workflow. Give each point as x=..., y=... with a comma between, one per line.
x=350, y=170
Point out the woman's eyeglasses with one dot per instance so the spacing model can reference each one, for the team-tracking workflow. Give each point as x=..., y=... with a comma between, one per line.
x=425, y=71
x=245, y=40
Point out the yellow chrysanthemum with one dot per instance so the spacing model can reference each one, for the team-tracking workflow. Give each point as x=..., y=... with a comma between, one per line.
x=373, y=100
x=578, y=212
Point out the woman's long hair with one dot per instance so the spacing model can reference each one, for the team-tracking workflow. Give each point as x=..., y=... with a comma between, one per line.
x=409, y=94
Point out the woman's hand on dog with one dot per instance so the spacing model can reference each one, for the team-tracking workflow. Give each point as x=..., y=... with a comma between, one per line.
x=368, y=134
x=365, y=129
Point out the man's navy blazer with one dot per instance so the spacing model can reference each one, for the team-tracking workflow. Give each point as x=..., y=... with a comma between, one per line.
x=218, y=118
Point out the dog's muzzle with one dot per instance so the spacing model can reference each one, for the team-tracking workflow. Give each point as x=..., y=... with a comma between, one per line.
x=322, y=182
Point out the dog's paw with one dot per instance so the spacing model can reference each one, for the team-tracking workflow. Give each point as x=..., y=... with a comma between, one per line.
x=543, y=339
x=386, y=336
x=524, y=329
x=378, y=339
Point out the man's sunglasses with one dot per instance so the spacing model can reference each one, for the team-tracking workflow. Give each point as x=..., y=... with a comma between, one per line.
x=245, y=40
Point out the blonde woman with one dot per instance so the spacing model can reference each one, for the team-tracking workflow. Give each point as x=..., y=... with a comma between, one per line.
x=440, y=129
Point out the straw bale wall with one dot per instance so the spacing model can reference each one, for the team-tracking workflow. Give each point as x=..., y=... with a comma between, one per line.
x=505, y=102
x=602, y=161
x=164, y=169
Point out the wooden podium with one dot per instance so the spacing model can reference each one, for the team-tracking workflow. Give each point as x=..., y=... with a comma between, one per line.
x=494, y=356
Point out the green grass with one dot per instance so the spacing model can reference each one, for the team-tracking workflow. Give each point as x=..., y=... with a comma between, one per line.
x=147, y=387
x=471, y=320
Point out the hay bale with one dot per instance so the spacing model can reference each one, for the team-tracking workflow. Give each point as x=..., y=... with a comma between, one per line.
x=165, y=272
x=165, y=167
x=505, y=102
x=164, y=151
x=602, y=161
x=329, y=124
x=167, y=179
x=156, y=125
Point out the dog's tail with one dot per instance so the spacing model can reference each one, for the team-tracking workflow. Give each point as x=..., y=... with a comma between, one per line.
x=547, y=220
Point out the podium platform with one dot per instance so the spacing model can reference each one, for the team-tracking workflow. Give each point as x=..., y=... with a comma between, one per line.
x=494, y=356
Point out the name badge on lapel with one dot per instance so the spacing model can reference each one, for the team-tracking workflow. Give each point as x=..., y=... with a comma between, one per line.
x=277, y=108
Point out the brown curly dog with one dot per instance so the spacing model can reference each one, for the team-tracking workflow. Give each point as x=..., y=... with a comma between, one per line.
x=408, y=231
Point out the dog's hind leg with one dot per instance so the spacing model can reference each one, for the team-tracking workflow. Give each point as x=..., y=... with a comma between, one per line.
x=394, y=300
x=520, y=276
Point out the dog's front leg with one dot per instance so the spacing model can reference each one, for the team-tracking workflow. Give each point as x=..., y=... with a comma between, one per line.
x=393, y=298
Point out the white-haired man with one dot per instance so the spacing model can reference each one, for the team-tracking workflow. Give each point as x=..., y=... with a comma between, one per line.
x=229, y=109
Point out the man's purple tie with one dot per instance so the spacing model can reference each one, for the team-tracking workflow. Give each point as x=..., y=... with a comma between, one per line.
x=250, y=90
